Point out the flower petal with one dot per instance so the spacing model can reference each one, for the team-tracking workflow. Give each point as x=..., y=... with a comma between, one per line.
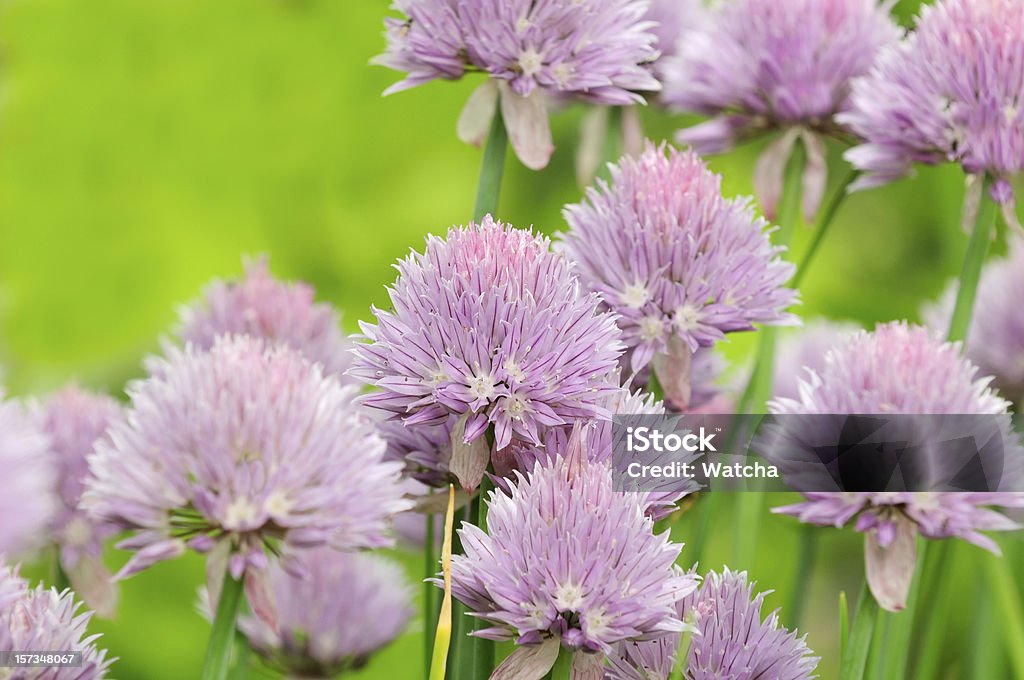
x=469, y=460
x=891, y=569
x=770, y=171
x=528, y=663
x=526, y=119
x=475, y=119
x=586, y=666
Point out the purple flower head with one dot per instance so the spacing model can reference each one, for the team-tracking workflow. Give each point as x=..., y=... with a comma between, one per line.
x=28, y=498
x=75, y=420
x=899, y=369
x=568, y=561
x=762, y=65
x=245, y=448
x=598, y=440
x=424, y=450
x=489, y=325
x=680, y=265
x=997, y=327
x=731, y=641
x=44, y=620
x=952, y=91
x=673, y=19
x=262, y=307
x=806, y=348
x=313, y=636
x=598, y=51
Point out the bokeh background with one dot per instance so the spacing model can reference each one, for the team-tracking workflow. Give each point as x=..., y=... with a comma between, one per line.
x=146, y=146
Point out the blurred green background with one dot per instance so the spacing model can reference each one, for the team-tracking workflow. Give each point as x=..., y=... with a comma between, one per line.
x=146, y=146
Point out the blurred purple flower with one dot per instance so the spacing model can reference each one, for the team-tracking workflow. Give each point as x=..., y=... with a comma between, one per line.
x=489, y=325
x=997, y=326
x=28, y=495
x=75, y=420
x=763, y=65
x=313, y=636
x=899, y=369
x=568, y=561
x=598, y=51
x=246, y=449
x=953, y=91
x=42, y=619
x=731, y=641
x=673, y=19
x=678, y=263
x=806, y=348
x=262, y=307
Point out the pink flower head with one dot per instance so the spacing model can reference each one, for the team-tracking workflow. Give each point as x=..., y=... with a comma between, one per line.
x=490, y=326
x=596, y=51
x=246, y=448
x=567, y=561
x=262, y=307
x=28, y=482
x=368, y=604
x=953, y=91
x=44, y=620
x=899, y=369
x=75, y=420
x=764, y=65
x=679, y=264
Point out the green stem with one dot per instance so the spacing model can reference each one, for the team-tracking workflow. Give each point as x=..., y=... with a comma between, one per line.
x=429, y=614
x=827, y=216
x=759, y=389
x=844, y=624
x=222, y=637
x=901, y=624
x=562, y=670
x=858, y=644
x=242, y=654
x=489, y=186
x=807, y=552
x=482, y=650
x=973, y=261
x=933, y=609
x=1004, y=591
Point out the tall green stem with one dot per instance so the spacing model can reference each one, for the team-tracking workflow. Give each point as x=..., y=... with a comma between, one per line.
x=489, y=187
x=482, y=651
x=967, y=291
x=759, y=389
x=806, y=554
x=825, y=219
x=1004, y=591
x=429, y=615
x=562, y=670
x=855, y=654
x=222, y=637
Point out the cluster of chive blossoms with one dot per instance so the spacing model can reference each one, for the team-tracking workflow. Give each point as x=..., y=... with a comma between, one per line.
x=75, y=420
x=490, y=326
x=567, y=561
x=680, y=265
x=899, y=369
x=368, y=604
x=996, y=336
x=261, y=307
x=40, y=619
x=806, y=348
x=28, y=503
x=599, y=51
x=764, y=65
x=952, y=92
x=247, y=449
x=730, y=641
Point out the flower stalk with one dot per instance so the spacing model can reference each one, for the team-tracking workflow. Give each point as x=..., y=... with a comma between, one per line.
x=222, y=636
x=981, y=234
x=488, y=189
x=858, y=644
